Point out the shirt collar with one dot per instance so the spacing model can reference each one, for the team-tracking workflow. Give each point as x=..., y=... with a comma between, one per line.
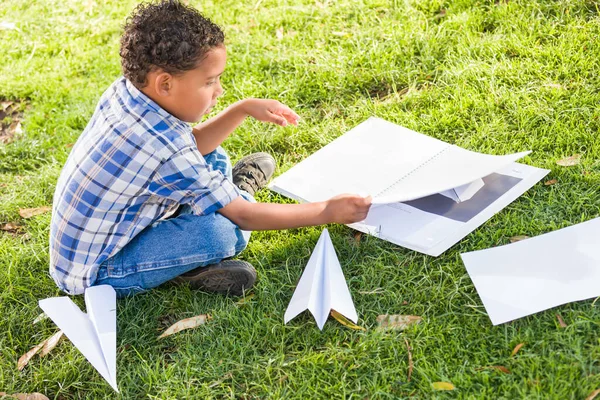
x=146, y=101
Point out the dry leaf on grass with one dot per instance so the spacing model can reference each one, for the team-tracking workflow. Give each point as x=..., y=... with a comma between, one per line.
x=518, y=238
x=593, y=395
x=32, y=212
x=24, y=359
x=187, y=323
x=496, y=367
x=410, y=361
x=11, y=227
x=46, y=346
x=550, y=182
x=51, y=343
x=561, y=321
x=358, y=237
x=40, y=318
x=398, y=322
x=6, y=104
x=516, y=349
x=569, y=161
x=24, y=396
x=345, y=321
x=443, y=386
x=279, y=33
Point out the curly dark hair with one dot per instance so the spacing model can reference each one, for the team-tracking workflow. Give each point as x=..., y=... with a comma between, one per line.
x=168, y=35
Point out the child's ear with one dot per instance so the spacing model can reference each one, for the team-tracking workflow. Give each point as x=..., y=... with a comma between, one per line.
x=163, y=83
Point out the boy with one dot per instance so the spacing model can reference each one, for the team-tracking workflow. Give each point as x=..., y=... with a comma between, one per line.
x=144, y=198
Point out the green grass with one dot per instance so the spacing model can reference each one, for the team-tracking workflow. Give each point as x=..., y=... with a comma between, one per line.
x=490, y=76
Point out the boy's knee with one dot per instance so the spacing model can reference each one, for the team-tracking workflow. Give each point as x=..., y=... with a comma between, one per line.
x=225, y=236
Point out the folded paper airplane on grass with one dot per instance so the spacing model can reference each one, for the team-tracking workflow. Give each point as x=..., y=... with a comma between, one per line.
x=94, y=333
x=533, y=275
x=322, y=287
x=427, y=194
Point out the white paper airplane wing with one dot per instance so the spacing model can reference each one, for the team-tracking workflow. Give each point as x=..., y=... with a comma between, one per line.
x=339, y=294
x=101, y=304
x=78, y=328
x=308, y=292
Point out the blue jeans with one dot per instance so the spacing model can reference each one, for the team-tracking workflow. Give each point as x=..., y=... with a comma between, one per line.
x=171, y=247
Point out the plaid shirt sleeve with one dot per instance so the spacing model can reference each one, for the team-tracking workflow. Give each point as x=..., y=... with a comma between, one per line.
x=187, y=179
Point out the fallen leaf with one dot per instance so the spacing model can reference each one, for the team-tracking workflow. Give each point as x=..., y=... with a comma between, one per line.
x=518, y=238
x=410, y=361
x=279, y=33
x=399, y=322
x=7, y=25
x=39, y=318
x=245, y=300
x=6, y=104
x=553, y=85
x=357, y=237
x=561, y=321
x=10, y=227
x=593, y=395
x=550, y=182
x=51, y=343
x=496, y=367
x=443, y=386
x=569, y=161
x=187, y=323
x=516, y=349
x=345, y=321
x=32, y=212
x=69, y=145
x=24, y=359
x=24, y=396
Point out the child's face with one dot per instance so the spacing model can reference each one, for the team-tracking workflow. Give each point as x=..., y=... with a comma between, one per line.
x=195, y=92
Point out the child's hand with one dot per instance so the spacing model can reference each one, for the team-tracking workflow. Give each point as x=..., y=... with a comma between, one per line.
x=270, y=111
x=347, y=208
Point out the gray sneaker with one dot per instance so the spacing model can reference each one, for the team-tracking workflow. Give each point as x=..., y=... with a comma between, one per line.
x=227, y=277
x=253, y=172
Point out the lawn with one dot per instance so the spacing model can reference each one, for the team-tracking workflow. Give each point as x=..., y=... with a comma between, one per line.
x=490, y=76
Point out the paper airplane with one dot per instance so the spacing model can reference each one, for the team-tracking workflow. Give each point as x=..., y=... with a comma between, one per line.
x=322, y=287
x=94, y=333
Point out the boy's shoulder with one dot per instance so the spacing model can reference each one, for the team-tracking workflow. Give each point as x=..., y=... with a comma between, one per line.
x=130, y=114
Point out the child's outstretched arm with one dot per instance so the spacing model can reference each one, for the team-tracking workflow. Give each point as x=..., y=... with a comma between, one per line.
x=343, y=209
x=211, y=133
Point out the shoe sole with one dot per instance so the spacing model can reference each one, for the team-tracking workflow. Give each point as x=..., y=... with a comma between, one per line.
x=228, y=277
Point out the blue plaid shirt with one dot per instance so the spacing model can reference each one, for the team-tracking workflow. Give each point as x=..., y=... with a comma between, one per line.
x=131, y=166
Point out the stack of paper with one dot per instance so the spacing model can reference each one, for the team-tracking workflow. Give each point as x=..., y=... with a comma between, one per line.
x=427, y=194
x=533, y=275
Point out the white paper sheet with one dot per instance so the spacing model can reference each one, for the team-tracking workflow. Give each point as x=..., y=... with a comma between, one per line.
x=536, y=274
x=432, y=225
x=376, y=154
x=389, y=162
x=322, y=287
x=95, y=333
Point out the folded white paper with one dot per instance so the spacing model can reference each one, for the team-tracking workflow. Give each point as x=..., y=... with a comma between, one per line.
x=427, y=194
x=533, y=275
x=94, y=333
x=322, y=287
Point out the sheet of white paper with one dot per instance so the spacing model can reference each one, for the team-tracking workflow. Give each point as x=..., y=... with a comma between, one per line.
x=322, y=286
x=81, y=331
x=434, y=224
x=536, y=274
x=390, y=162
